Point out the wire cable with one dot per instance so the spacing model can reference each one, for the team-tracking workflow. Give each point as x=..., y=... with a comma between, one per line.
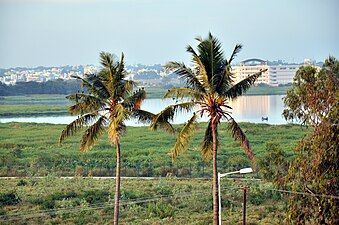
x=304, y=193
x=97, y=206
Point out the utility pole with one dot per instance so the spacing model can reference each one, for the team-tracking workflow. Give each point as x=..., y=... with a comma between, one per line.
x=220, y=175
x=244, y=206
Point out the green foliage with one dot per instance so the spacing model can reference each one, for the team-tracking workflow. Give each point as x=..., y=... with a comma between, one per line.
x=313, y=94
x=88, y=201
x=41, y=154
x=236, y=162
x=32, y=110
x=58, y=86
x=22, y=183
x=314, y=99
x=96, y=196
x=10, y=198
x=259, y=195
x=273, y=165
x=160, y=210
x=63, y=195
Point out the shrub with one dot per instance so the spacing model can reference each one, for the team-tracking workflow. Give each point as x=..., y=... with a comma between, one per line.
x=237, y=162
x=63, y=195
x=167, y=171
x=22, y=183
x=100, y=172
x=184, y=172
x=129, y=172
x=79, y=171
x=96, y=196
x=9, y=199
x=273, y=165
x=160, y=209
x=147, y=172
x=16, y=152
x=48, y=203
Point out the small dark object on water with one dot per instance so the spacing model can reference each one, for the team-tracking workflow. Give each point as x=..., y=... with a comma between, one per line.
x=264, y=118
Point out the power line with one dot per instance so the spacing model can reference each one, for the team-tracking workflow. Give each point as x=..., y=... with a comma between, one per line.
x=121, y=201
x=304, y=193
x=97, y=206
x=41, y=213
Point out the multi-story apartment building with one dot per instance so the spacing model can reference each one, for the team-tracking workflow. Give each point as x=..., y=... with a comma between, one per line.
x=276, y=74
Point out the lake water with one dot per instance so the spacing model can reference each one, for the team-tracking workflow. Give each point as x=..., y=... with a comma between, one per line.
x=245, y=109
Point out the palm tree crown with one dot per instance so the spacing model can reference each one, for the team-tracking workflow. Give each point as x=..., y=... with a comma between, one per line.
x=209, y=88
x=109, y=101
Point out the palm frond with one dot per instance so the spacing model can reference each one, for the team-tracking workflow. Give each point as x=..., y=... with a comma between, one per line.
x=120, y=86
x=108, y=73
x=184, y=137
x=240, y=136
x=222, y=81
x=161, y=120
x=84, y=103
x=186, y=73
x=92, y=134
x=121, y=72
x=134, y=101
x=236, y=50
x=94, y=86
x=242, y=86
x=128, y=86
x=142, y=115
x=163, y=125
x=211, y=56
x=207, y=144
x=183, y=93
x=169, y=112
x=107, y=61
x=202, y=75
x=77, y=124
x=117, y=116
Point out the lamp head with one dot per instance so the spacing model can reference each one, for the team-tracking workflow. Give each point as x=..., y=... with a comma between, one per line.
x=246, y=170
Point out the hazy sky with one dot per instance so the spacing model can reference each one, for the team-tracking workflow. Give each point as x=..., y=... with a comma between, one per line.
x=59, y=32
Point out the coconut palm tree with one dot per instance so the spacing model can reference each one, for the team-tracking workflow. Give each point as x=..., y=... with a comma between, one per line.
x=209, y=88
x=108, y=102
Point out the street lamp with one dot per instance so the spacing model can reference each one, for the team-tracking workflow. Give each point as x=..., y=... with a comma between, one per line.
x=220, y=175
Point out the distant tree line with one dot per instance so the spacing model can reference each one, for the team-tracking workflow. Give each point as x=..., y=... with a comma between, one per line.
x=50, y=87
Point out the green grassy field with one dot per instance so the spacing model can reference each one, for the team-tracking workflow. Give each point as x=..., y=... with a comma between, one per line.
x=33, y=105
x=32, y=149
x=29, y=149
x=164, y=201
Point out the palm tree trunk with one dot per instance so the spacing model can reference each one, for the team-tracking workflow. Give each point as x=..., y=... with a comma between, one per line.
x=215, y=176
x=117, y=186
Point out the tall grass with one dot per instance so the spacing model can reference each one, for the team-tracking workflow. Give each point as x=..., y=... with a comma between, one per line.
x=162, y=201
x=32, y=149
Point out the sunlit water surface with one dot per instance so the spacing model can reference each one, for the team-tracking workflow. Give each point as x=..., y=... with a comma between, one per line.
x=244, y=109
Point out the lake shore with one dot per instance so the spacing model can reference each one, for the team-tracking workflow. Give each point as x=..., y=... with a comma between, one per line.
x=56, y=105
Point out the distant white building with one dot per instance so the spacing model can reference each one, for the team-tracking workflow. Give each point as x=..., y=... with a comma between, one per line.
x=90, y=69
x=276, y=74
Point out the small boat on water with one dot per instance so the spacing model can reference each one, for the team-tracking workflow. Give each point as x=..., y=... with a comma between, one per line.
x=264, y=118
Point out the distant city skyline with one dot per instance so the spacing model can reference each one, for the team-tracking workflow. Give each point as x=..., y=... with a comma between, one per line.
x=73, y=32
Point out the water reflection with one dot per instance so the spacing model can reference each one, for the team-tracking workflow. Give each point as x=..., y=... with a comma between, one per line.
x=245, y=109
x=253, y=108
